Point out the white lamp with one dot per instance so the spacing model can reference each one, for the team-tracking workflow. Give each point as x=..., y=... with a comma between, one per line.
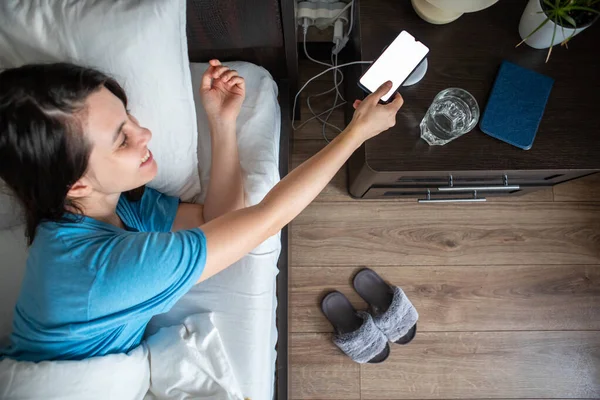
x=445, y=11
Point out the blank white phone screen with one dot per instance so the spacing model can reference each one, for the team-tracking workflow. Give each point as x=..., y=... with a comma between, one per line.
x=395, y=64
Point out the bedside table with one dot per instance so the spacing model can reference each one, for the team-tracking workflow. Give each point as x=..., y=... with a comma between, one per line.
x=467, y=54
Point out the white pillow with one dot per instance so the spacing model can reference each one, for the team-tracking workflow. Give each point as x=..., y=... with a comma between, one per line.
x=10, y=211
x=115, y=376
x=142, y=44
x=13, y=256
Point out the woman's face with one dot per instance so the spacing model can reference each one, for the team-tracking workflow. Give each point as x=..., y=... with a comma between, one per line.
x=120, y=159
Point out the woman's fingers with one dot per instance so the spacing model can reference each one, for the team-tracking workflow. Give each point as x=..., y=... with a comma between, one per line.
x=228, y=75
x=380, y=92
x=206, y=83
x=218, y=71
x=237, y=80
x=356, y=104
x=207, y=77
x=397, y=102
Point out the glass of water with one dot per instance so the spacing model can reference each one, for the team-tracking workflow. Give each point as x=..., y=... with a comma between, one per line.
x=453, y=113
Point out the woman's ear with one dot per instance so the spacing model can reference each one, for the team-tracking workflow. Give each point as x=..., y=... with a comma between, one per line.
x=80, y=189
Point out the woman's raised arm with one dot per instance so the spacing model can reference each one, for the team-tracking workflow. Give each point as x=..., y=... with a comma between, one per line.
x=234, y=234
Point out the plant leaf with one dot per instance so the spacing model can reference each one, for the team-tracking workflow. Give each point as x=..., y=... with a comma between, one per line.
x=580, y=8
x=566, y=38
x=571, y=36
x=562, y=27
x=552, y=42
x=534, y=31
x=570, y=20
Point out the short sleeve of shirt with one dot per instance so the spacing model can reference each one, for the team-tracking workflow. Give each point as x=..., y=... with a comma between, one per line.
x=145, y=273
x=154, y=212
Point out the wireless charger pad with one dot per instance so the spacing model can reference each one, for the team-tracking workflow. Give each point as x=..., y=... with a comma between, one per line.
x=417, y=74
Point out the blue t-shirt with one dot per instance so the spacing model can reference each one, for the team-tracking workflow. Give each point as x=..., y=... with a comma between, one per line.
x=90, y=288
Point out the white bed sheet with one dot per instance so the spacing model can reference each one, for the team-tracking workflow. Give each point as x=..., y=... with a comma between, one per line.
x=242, y=298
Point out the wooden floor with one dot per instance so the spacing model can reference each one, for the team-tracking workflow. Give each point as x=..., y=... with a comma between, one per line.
x=508, y=291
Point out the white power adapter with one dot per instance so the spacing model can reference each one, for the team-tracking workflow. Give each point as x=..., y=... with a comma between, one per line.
x=339, y=39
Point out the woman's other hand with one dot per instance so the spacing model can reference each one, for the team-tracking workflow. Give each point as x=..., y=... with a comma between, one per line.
x=372, y=118
x=222, y=92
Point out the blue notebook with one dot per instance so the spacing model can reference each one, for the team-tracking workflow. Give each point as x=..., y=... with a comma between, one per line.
x=516, y=105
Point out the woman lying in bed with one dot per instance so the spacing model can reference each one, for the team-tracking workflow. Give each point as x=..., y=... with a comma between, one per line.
x=106, y=256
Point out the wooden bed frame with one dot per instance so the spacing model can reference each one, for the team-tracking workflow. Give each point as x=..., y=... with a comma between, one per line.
x=262, y=32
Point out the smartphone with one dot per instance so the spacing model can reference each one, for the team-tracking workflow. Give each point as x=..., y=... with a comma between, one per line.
x=395, y=64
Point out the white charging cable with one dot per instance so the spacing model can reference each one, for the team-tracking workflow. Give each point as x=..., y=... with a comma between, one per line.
x=312, y=79
x=338, y=94
x=340, y=41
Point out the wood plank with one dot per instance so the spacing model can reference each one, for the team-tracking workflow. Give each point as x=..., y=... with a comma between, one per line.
x=487, y=365
x=583, y=189
x=337, y=190
x=320, y=371
x=458, y=298
x=387, y=233
x=545, y=194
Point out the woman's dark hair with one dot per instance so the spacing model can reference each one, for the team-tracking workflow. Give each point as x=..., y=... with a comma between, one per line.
x=43, y=149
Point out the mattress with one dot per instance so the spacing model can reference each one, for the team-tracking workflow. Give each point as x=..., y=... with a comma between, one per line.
x=242, y=298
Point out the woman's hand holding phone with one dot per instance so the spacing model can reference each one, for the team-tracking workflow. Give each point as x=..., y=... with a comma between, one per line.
x=371, y=118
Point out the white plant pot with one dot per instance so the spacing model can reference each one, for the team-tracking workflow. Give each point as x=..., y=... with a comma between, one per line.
x=532, y=17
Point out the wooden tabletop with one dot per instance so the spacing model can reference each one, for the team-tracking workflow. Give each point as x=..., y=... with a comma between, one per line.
x=467, y=54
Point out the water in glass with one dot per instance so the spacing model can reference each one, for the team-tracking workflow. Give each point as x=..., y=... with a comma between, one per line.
x=453, y=113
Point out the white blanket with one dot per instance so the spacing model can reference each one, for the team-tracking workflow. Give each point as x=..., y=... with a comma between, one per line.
x=186, y=361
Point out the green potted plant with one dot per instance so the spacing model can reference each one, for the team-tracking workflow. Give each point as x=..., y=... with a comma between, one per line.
x=545, y=23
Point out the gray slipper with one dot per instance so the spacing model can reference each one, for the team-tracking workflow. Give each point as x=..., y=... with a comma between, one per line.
x=355, y=332
x=393, y=313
